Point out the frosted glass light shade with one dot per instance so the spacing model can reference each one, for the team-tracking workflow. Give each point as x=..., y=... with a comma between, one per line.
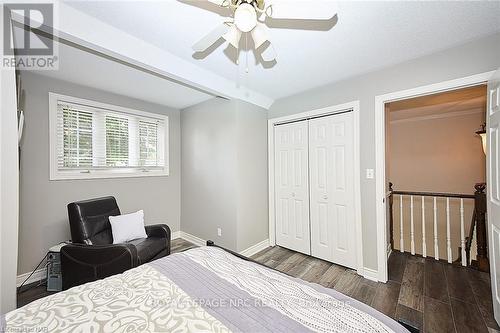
x=259, y=35
x=233, y=36
x=483, y=139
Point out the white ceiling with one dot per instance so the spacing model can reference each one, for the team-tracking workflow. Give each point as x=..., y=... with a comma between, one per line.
x=368, y=36
x=94, y=71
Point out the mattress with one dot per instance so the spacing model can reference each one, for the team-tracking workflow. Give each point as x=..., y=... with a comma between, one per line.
x=204, y=289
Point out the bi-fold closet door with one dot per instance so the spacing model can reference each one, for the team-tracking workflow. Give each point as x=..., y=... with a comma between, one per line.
x=314, y=183
x=292, y=186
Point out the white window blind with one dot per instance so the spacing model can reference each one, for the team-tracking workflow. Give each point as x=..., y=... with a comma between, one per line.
x=95, y=140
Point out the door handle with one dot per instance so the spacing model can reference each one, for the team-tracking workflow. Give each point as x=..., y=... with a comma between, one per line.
x=325, y=197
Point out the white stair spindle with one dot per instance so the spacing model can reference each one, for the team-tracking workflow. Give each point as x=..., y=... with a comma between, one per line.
x=462, y=232
x=448, y=238
x=424, y=245
x=401, y=235
x=436, y=246
x=412, y=228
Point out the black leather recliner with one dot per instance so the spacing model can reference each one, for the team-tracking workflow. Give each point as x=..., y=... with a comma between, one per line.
x=93, y=255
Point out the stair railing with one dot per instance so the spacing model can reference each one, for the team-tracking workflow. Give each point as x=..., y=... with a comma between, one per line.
x=478, y=222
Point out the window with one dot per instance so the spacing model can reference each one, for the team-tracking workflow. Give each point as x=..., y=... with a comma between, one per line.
x=95, y=140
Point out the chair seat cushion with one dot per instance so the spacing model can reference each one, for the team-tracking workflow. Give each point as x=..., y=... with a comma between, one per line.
x=148, y=248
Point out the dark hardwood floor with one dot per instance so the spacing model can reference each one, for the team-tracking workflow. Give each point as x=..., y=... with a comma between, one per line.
x=432, y=295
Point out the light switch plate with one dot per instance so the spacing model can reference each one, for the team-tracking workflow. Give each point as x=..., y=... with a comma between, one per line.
x=370, y=174
x=219, y=232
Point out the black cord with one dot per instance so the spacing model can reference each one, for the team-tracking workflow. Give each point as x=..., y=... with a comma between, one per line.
x=33, y=272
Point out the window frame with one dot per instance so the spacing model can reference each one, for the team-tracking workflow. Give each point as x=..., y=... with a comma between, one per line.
x=58, y=174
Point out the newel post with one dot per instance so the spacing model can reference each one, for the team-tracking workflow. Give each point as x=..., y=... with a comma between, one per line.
x=481, y=238
x=391, y=216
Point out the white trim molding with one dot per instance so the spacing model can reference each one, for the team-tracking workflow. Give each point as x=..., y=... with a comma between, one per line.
x=438, y=116
x=330, y=110
x=175, y=235
x=255, y=248
x=192, y=239
x=38, y=275
x=201, y=242
x=380, y=102
x=370, y=274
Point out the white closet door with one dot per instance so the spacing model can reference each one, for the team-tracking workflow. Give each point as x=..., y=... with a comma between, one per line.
x=291, y=186
x=331, y=151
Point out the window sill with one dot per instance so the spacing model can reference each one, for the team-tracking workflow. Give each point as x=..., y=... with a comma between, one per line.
x=106, y=174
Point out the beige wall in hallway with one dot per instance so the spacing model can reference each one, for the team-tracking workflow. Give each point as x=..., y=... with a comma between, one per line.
x=438, y=155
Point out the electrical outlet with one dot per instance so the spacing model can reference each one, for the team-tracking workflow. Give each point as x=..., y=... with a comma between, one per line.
x=370, y=173
x=219, y=232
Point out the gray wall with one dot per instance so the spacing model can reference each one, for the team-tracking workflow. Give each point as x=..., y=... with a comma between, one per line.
x=43, y=215
x=209, y=172
x=253, y=213
x=224, y=172
x=475, y=57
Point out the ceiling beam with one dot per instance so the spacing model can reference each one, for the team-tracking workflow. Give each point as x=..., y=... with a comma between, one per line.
x=75, y=27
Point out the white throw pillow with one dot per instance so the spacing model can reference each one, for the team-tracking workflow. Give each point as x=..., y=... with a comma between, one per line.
x=127, y=227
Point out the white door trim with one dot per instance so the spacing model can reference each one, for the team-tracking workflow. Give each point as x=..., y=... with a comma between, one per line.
x=380, y=102
x=354, y=106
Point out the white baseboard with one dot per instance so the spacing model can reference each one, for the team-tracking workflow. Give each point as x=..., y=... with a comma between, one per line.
x=201, y=242
x=193, y=239
x=370, y=274
x=255, y=248
x=38, y=275
x=175, y=235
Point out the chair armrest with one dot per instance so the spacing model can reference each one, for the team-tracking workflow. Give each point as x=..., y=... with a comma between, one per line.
x=85, y=263
x=160, y=231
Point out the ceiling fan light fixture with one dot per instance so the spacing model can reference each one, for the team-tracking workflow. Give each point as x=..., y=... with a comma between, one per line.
x=245, y=17
x=233, y=36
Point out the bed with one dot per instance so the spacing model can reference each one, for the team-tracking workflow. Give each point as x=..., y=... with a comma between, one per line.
x=206, y=289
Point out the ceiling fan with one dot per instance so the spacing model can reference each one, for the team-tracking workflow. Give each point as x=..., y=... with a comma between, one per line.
x=249, y=17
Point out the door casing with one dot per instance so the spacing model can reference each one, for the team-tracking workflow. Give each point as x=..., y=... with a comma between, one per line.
x=380, y=101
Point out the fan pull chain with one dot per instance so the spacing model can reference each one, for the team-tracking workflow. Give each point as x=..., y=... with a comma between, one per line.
x=238, y=55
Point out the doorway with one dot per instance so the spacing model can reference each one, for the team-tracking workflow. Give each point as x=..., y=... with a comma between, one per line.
x=380, y=146
x=434, y=159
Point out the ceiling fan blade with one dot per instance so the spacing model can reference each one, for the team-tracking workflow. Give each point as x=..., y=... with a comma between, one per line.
x=233, y=36
x=269, y=53
x=259, y=35
x=210, y=38
x=219, y=2
x=302, y=10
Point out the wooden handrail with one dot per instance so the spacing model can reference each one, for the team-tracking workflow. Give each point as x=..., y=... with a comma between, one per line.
x=435, y=194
